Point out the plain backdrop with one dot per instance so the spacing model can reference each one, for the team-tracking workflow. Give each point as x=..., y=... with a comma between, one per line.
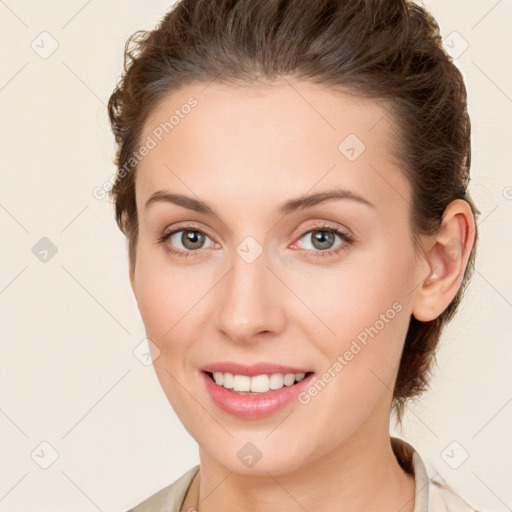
x=84, y=424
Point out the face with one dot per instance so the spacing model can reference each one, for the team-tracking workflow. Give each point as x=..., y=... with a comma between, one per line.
x=323, y=286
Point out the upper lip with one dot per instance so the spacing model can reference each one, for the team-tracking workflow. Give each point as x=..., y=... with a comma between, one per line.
x=251, y=370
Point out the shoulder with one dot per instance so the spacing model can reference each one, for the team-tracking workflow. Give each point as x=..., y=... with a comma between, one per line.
x=443, y=498
x=433, y=493
x=170, y=498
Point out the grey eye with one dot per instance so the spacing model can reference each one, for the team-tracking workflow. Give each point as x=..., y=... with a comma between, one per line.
x=321, y=239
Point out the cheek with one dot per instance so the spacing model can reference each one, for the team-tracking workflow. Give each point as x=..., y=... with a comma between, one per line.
x=165, y=301
x=369, y=318
x=365, y=311
x=157, y=301
x=175, y=306
x=164, y=293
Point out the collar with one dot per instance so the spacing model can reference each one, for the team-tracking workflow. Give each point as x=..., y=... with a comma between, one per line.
x=411, y=462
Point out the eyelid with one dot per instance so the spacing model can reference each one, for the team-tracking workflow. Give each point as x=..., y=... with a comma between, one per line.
x=187, y=225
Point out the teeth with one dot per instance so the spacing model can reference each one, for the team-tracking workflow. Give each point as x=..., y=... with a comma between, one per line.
x=258, y=383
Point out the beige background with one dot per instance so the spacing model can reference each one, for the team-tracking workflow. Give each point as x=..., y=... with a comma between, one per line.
x=69, y=375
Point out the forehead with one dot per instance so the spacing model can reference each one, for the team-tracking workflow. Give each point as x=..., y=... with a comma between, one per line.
x=254, y=142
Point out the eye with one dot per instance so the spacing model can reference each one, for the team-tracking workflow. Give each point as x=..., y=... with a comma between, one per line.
x=322, y=239
x=184, y=241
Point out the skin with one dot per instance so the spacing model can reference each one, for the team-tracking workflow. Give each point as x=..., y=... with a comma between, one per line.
x=245, y=151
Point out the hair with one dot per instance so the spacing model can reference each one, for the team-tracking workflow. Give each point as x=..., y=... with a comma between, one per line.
x=386, y=50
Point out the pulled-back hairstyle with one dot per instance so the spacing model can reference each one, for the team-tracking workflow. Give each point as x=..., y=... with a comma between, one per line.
x=387, y=50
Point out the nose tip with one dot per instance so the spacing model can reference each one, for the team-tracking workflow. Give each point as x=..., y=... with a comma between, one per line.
x=243, y=330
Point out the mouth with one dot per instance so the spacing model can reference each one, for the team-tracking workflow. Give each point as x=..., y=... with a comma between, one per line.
x=256, y=396
x=257, y=384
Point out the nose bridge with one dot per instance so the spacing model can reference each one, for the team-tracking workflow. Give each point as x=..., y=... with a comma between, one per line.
x=249, y=303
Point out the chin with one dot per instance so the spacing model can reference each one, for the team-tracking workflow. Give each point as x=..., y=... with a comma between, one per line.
x=254, y=454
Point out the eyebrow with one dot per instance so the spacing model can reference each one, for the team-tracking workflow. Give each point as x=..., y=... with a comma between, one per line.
x=292, y=205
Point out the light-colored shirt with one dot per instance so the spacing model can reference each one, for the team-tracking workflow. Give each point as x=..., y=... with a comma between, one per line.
x=432, y=494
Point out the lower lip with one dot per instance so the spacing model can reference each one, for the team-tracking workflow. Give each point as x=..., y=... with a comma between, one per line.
x=253, y=406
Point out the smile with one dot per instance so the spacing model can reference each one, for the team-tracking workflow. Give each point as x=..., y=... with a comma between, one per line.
x=256, y=384
x=239, y=400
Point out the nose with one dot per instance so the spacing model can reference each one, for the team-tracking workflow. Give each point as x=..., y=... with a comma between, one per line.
x=250, y=301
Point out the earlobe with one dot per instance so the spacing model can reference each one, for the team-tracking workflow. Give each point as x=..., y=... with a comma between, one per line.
x=447, y=256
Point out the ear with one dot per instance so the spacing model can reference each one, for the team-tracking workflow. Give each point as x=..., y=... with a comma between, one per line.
x=446, y=254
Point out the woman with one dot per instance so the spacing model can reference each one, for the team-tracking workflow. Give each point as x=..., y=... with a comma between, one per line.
x=292, y=181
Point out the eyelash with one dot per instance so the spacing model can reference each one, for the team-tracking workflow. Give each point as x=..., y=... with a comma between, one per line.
x=347, y=240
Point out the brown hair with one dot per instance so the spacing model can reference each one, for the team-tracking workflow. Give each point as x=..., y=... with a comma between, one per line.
x=388, y=50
